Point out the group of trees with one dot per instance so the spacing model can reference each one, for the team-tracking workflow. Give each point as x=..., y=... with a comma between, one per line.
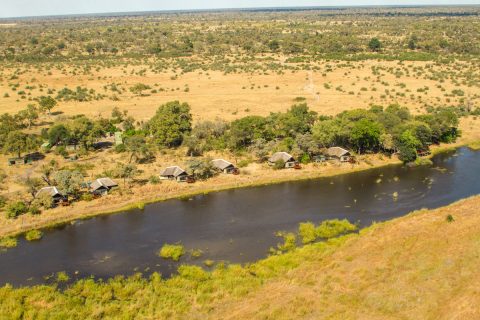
x=308, y=32
x=299, y=131
x=13, y=140
x=306, y=134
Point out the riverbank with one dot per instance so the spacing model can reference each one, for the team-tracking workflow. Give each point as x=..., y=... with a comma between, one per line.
x=137, y=197
x=383, y=272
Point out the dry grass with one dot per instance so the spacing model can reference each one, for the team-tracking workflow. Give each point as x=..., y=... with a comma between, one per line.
x=228, y=96
x=416, y=267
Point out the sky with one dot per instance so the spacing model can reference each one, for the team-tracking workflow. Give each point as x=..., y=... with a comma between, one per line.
x=20, y=8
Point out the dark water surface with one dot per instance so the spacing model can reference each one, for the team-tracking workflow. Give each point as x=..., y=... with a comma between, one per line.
x=236, y=225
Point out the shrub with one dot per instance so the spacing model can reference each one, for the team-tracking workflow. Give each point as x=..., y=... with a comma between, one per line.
x=43, y=200
x=154, y=179
x=62, y=276
x=34, y=209
x=86, y=197
x=15, y=209
x=450, y=218
x=305, y=158
x=120, y=148
x=279, y=164
x=172, y=251
x=33, y=235
x=407, y=153
x=244, y=163
x=8, y=242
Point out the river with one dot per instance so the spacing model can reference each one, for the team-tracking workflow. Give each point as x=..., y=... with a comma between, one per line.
x=237, y=225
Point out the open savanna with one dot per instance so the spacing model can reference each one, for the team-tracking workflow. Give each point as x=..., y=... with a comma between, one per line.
x=329, y=87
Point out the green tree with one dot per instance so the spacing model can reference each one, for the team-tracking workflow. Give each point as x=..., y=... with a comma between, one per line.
x=247, y=129
x=375, y=44
x=117, y=115
x=326, y=132
x=137, y=147
x=58, y=134
x=18, y=142
x=170, y=123
x=33, y=185
x=365, y=135
x=30, y=114
x=125, y=171
x=201, y=168
x=69, y=182
x=297, y=120
x=47, y=103
x=46, y=170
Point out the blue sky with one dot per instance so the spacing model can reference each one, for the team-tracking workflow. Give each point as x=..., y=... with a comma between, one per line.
x=16, y=8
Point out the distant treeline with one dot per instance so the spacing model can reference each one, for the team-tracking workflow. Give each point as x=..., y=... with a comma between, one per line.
x=211, y=35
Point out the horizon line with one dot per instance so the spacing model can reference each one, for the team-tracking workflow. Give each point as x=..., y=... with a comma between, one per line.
x=226, y=9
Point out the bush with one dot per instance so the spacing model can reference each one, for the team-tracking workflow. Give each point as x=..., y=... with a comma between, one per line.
x=62, y=276
x=43, y=200
x=172, y=251
x=244, y=163
x=34, y=209
x=15, y=209
x=8, y=242
x=33, y=235
x=86, y=197
x=305, y=158
x=279, y=164
x=120, y=148
x=154, y=179
x=407, y=154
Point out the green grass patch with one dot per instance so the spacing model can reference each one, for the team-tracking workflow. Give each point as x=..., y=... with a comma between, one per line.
x=8, y=242
x=62, y=276
x=326, y=230
x=474, y=145
x=172, y=251
x=33, y=235
x=423, y=162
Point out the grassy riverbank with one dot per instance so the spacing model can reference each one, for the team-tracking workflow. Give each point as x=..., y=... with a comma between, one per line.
x=381, y=273
x=254, y=175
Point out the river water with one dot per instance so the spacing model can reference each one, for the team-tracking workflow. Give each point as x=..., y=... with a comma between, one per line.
x=236, y=225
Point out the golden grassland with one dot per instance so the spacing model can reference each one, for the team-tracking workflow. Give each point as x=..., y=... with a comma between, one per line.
x=416, y=267
x=330, y=88
x=137, y=195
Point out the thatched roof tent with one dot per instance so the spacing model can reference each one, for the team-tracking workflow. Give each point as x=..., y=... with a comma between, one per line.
x=285, y=157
